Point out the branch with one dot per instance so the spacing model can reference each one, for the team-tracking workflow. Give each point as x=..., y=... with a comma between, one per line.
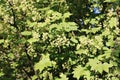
x=13, y=14
x=30, y=61
x=27, y=74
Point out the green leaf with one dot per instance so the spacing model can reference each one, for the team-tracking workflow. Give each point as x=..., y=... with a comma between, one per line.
x=78, y=46
x=69, y=26
x=32, y=40
x=62, y=77
x=94, y=21
x=106, y=32
x=115, y=78
x=113, y=22
x=26, y=33
x=34, y=77
x=44, y=63
x=110, y=43
x=31, y=24
x=11, y=55
x=98, y=38
x=83, y=40
x=67, y=15
x=113, y=63
x=94, y=30
x=95, y=65
x=14, y=65
x=1, y=74
x=82, y=51
x=74, y=40
x=98, y=66
x=1, y=41
x=110, y=0
x=78, y=72
x=106, y=67
x=93, y=62
x=55, y=26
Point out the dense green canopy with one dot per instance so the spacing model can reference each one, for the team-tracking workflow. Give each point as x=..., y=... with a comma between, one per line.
x=59, y=39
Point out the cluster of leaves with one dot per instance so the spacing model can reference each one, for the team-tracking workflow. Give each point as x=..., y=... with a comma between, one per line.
x=59, y=40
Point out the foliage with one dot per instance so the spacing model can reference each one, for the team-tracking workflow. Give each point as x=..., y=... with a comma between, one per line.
x=59, y=40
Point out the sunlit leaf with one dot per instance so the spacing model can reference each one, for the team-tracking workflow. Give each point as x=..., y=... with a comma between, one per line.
x=43, y=63
x=78, y=72
x=113, y=22
x=110, y=0
x=62, y=77
x=66, y=15
x=106, y=67
x=1, y=41
x=32, y=40
x=26, y=33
